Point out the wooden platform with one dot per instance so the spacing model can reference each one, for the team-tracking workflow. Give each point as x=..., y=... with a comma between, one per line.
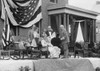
x=68, y=64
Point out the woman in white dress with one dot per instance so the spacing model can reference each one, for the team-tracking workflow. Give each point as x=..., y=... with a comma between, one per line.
x=53, y=50
x=31, y=36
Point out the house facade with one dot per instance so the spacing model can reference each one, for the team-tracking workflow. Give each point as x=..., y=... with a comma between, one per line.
x=57, y=12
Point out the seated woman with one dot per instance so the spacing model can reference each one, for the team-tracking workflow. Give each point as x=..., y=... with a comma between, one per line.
x=51, y=51
x=96, y=50
x=32, y=34
x=21, y=45
x=57, y=42
x=45, y=43
x=54, y=51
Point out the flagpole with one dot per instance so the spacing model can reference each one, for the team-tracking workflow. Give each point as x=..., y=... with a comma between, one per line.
x=6, y=31
x=40, y=28
x=3, y=33
x=6, y=19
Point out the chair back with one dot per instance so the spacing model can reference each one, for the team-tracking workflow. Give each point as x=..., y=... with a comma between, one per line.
x=78, y=45
x=17, y=38
x=17, y=42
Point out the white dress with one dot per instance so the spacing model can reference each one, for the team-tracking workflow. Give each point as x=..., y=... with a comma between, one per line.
x=54, y=51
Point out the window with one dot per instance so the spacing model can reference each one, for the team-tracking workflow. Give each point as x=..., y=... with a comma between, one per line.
x=54, y=1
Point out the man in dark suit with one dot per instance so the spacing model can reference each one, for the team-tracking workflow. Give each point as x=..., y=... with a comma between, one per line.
x=64, y=39
x=49, y=31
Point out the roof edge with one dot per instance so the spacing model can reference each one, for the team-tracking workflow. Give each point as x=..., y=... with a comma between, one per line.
x=66, y=6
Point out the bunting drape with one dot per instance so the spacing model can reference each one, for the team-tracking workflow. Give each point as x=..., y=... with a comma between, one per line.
x=22, y=13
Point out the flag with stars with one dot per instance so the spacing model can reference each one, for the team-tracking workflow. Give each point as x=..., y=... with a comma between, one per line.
x=6, y=32
x=22, y=13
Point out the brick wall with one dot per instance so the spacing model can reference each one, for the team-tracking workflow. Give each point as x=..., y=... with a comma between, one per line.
x=44, y=24
x=1, y=28
x=45, y=4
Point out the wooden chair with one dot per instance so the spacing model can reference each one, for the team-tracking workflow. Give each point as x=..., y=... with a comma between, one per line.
x=16, y=51
x=78, y=49
x=24, y=51
x=32, y=52
x=71, y=49
x=4, y=54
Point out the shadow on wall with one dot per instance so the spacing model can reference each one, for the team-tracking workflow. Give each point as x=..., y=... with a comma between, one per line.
x=1, y=46
x=1, y=28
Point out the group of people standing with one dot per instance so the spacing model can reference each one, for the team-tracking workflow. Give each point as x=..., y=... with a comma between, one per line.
x=55, y=42
x=33, y=35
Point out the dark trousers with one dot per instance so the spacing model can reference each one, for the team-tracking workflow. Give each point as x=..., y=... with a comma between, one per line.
x=65, y=48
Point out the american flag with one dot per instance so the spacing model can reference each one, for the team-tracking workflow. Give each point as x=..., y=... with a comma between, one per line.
x=23, y=13
x=6, y=32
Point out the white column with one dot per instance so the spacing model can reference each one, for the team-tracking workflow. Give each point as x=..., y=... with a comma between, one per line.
x=94, y=30
x=67, y=23
x=57, y=22
x=85, y=30
x=49, y=20
x=64, y=20
x=67, y=26
x=59, y=19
